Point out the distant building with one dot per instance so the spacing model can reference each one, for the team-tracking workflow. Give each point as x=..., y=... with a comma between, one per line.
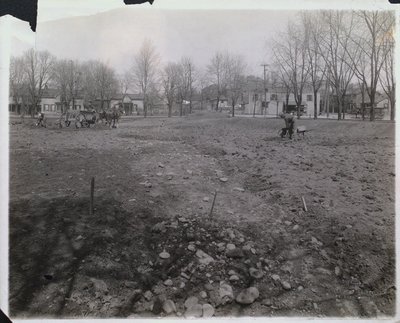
x=273, y=100
x=50, y=103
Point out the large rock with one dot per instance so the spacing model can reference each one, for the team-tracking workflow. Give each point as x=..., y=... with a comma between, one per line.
x=248, y=296
x=208, y=310
x=169, y=306
x=164, y=255
x=225, y=293
x=204, y=258
x=235, y=253
x=191, y=301
x=256, y=273
x=195, y=311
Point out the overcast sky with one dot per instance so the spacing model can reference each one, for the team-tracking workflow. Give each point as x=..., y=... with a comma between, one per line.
x=112, y=32
x=116, y=35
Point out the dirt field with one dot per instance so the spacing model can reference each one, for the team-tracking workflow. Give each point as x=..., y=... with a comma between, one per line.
x=155, y=181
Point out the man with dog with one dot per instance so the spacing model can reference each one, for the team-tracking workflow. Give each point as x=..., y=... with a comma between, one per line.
x=289, y=124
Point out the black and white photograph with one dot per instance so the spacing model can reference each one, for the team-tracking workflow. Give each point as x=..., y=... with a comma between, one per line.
x=201, y=159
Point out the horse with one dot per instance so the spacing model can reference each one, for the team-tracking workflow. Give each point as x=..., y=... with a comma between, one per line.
x=112, y=116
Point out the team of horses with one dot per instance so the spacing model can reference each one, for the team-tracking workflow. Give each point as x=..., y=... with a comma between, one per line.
x=85, y=119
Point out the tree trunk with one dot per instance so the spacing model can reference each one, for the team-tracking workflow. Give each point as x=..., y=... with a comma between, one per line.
x=181, y=109
x=340, y=107
x=315, y=105
x=233, y=110
x=145, y=107
x=392, y=100
x=287, y=101
x=169, y=110
x=372, y=111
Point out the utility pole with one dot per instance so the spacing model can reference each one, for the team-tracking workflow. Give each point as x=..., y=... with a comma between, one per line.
x=265, y=86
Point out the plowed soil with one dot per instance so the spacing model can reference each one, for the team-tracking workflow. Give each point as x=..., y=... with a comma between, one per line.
x=155, y=181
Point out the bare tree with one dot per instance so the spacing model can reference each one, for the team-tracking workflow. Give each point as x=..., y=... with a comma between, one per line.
x=67, y=77
x=291, y=55
x=317, y=66
x=370, y=39
x=186, y=73
x=18, y=83
x=100, y=82
x=335, y=48
x=144, y=70
x=387, y=77
x=169, y=81
x=202, y=82
x=217, y=73
x=38, y=68
x=125, y=82
x=235, y=78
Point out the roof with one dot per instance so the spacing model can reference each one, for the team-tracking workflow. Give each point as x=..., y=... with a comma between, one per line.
x=136, y=96
x=50, y=93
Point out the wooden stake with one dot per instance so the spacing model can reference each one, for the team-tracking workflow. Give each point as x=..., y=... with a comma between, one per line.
x=213, y=203
x=91, y=196
x=304, y=204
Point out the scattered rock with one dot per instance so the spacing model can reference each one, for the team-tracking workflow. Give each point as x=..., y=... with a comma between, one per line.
x=296, y=227
x=267, y=302
x=230, y=246
x=191, y=301
x=169, y=307
x=286, y=285
x=148, y=295
x=316, y=241
x=191, y=247
x=195, y=311
x=288, y=223
x=206, y=199
x=225, y=293
x=248, y=296
x=208, y=310
x=239, y=189
x=208, y=287
x=275, y=278
x=223, y=179
x=159, y=227
x=203, y=294
x=157, y=306
x=184, y=275
x=255, y=273
x=168, y=282
x=338, y=271
x=323, y=271
x=235, y=253
x=234, y=278
x=161, y=165
x=164, y=255
x=204, y=258
x=182, y=284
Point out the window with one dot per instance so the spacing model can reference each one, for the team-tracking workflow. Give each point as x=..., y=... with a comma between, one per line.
x=255, y=97
x=274, y=97
x=77, y=107
x=53, y=107
x=46, y=107
x=309, y=97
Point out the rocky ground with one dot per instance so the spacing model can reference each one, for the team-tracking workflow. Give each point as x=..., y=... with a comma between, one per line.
x=152, y=246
